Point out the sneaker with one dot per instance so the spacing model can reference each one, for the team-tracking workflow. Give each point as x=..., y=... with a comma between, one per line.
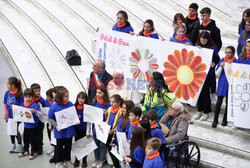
x=60, y=165
x=204, y=117
x=51, y=150
x=13, y=148
x=76, y=164
x=52, y=154
x=214, y=125
x=32, y=156
x=197, y=115
x=19, y=148
x=52, y=160
x=95, y=163
x=23, y=154
x=68, y=164
x=224, y=123
x=100, y=164
x=84, y=164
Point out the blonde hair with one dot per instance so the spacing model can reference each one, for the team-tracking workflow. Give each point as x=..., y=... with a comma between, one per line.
x=244, y=52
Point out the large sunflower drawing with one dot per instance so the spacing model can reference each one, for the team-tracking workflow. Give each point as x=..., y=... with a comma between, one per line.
x=242, y=96
x=142, y=64
x=185, y=73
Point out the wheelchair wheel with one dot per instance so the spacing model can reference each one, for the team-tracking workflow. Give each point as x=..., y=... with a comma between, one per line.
x=188, y=155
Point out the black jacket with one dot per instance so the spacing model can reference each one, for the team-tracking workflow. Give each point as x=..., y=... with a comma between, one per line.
x=214, y=33
x=193, y=26
x=92, y=86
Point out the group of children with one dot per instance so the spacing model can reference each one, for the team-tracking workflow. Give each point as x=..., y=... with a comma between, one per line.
x=121, y=115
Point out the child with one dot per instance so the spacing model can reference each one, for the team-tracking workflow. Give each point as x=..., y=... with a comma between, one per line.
x=204, y=101
x=30, y=129
x=242, y=25
x=244, y=36
x=180, y=35
x=64, y=136
x=101, y=100
x=178, y=20
x=245, y=54
x=81, y=99
x=145, y=125
x=48, y=102
x=113, y=115
x=156, y=131
x=137, y=147
x=36, y=88
x=223, y=85
x=148, y=30
x=13, y=96
x=153, y=159
x=122, y=24
x=134, y=118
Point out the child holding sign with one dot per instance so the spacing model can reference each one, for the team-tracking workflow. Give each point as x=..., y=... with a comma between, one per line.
x=13, y=96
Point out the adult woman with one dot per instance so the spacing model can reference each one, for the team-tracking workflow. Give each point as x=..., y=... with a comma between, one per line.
x=158, y=96
x=180, y=35
x=149, y=30
x=176, y=119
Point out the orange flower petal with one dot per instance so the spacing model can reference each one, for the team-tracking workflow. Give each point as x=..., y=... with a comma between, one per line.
x=200, y=75
x=147, y=76
x=169, y=66
x=185, y=93
x=190, y=57
x=173, y=60
x=135, y=56
x=184, y=54
x=197, y=60
x=198, y=81
x=170, y=81
x=191, y=91
x=168, y=73
x=179, y=91
x=173, y=87
x=200, y=67
x=136, y=73
x=195, y=86
x=177, y=55
x=154, y=66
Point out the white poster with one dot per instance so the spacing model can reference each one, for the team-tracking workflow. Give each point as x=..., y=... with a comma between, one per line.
x=124, y=146
x=83, y=147
x=92, y=113
x=22, y=114
x=116, y=154
x=44, y=117
x=239, y=95
x=52, y=139
x=67, y=117
x=102, y=131
x=11, y=127
x=184, y=67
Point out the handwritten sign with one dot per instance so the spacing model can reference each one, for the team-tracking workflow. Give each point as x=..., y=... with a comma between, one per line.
x=116, y=154
x=22, y=114
x=12, y=127
x=67, y=117
x=44, y=117
x=124, y=146
x=102, y=131
x=83, y=147
x=92, y=113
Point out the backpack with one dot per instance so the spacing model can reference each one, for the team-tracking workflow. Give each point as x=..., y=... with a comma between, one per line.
x=73, y=58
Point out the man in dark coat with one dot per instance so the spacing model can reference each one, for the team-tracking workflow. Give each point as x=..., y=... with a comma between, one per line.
x=193, y=23
x=99, y=76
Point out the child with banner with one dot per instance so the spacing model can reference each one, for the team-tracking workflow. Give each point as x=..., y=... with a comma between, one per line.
x=223, y=85
x=137, y=147
x=81, y=99
x=122, y=24
x=148, y=30
x=245, y=54
x=36, y=88
x=113, y=115
x=30, y=129
x=134, y=118
x=204, y=101
x=13, y=96
x=63, y=136
x=180, y=35
x=101, y=100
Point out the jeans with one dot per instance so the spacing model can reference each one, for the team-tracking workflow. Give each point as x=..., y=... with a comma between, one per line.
x=100, y=151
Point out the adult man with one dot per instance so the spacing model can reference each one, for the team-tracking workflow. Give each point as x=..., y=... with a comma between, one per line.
x=193, y=23
x=98, y=77
x=210, y=26
x=119, y=86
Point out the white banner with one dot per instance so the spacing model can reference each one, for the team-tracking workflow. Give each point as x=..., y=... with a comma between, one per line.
x=239, y=94
x=44, y=117
x=52, y=137
x=67, y=117
x=124, y=146
x=116, y=154
x=12, y=127
x=22, y=114
x=184, y=67
x=83, y=147
x=92, y=113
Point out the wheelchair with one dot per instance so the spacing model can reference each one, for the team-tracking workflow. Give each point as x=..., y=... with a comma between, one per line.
x=183, y=154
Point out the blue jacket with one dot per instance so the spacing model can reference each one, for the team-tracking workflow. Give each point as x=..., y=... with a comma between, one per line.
x=222, y=83
x=9, y=99
x=181, y=42
x=157, y=133
x=42, y=101
x=153, y=35
x=35, y=117
x=245, y=61
x=130, y=131
x=126, y=29
x=64, y=133
x=137, y=158
x=47, y=104
x=119, y=124
x=240, y=30
x=241, y=43
x=153, y=163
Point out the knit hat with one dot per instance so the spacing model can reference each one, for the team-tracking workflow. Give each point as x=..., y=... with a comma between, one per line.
x=178, y=107
x=194, y=6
